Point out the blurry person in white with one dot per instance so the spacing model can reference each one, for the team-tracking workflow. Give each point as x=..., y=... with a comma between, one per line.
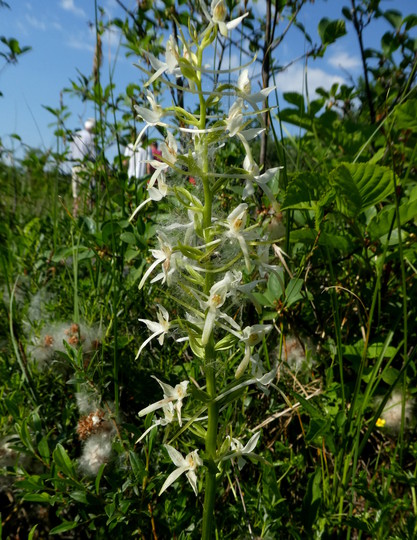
x=82, y=149
x=138, y=157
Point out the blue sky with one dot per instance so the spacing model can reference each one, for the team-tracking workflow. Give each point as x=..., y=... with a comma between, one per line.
x=62, y=38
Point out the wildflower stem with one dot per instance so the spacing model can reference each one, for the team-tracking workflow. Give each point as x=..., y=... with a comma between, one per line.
x=210, y=353
x=211, y=444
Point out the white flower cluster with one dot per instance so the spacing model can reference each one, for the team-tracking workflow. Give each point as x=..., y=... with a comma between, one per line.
x=211, y=258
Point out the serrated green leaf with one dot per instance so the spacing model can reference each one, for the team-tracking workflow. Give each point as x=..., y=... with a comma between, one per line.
x=304, y=189
x=360, y=185
x=406, y=115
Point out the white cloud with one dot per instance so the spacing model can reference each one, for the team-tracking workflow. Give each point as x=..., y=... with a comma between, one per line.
x=35, y=23
x=111, y=38
x=80, y=44
x=345, y=61
x=293, y=80
x=68, y=5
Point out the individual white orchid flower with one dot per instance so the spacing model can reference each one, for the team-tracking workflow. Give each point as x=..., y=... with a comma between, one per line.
x=262, y=180
x=244, y=88
x=171, y=61
x=235, y=223
x=158, y=329
x=218, y=294
x=155, y=194
x=166, y=257
x=251, y=335
x=152, y=116
x=235, y=119
x=219, y=12
x=169, y=149
x=239, y=450
x=174, y=395
x=169, y=415
x=187, y=465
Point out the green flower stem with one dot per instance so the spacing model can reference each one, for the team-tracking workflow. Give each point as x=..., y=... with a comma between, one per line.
x=210, y=353
x=211, y=444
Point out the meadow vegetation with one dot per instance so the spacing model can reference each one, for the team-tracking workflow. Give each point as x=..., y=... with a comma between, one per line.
x=227, y=347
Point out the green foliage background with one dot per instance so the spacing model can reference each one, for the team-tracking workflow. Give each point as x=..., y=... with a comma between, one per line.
x=346, y=219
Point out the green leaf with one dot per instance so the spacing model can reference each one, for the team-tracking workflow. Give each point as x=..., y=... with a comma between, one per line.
x=138, y=467
x=275, y=287
x=128, y=238
x=293, y=291
x=79, y=496
x=406, y=115
x=31, y=533
x=62, y=461
x=110, y=509
x=410, y=21
x=390, y=375
x=99, y=476
x=381, y=224
x=394, y=17
x=295, y=99
x=330, y=31
x=65, y=526
x=360, y=185
x=303, y=189
x=43, y=498
x=43, y=448
x=312, y=499
x=25, y=436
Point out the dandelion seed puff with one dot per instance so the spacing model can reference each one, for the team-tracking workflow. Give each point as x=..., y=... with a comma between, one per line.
x=294, y=354
x=392, y=413
x=41, y=351
x=8, y=456
x=36, y=310
x=96, y=451
x=86, y=402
